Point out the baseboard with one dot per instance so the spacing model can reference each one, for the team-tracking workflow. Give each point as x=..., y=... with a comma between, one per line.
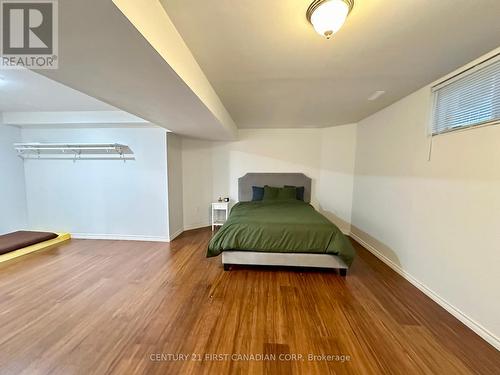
x=345, y=231
x=120, y=237
x=197, y=226
x=471, y=323
x=176, y=234
x=188, y=228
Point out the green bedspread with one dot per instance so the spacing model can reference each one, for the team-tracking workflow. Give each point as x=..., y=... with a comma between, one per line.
x=280, y=226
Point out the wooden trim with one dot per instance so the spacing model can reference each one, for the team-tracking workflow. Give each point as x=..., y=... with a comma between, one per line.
x=62, y=237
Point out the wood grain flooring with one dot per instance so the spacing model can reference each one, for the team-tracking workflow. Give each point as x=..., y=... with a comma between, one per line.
x=124, y=307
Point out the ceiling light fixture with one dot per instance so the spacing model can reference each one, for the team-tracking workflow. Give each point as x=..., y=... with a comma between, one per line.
x=328, y=16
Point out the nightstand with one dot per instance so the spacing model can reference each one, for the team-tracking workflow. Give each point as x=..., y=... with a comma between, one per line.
x=220, y=213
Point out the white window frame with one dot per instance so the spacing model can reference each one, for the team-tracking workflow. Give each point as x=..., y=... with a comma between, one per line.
x=434, y=92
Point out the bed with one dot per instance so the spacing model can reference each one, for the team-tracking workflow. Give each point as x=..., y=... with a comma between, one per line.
x=279, y=233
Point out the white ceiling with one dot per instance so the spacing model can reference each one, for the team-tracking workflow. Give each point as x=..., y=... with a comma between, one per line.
x=22, y=90
x=271, y=69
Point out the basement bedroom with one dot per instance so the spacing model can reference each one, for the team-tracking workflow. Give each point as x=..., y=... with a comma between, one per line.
x=250, y=187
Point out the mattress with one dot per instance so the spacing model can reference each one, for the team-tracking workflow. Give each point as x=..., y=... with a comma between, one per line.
x=20, y=239
x=280, y=226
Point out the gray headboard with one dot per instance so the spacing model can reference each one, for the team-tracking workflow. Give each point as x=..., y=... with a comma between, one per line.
x=246, y=182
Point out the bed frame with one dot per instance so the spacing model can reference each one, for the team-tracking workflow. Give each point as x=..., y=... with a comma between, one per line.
x=253, y=258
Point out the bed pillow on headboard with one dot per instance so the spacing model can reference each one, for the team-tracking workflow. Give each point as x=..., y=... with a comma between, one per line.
x=279, y=194
x=299, y=191
x=270, y=193
x=257, y=193
x=287, y=193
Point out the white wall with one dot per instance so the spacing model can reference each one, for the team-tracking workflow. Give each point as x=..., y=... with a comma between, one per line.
x=197, y=181
x=175, y=187
x=336, y=178
x=437, y=221
x=13, y=214
x=101, y=198
x=212, y=169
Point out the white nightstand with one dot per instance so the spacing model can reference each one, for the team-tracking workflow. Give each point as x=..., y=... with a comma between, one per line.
x=219, y=208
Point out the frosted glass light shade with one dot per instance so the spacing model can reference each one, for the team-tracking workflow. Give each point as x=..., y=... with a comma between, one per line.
x=328, y=17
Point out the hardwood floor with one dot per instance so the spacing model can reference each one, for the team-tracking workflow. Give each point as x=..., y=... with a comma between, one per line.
x=122, y=307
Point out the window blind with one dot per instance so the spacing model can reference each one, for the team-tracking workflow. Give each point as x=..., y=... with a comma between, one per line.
x=469, y=99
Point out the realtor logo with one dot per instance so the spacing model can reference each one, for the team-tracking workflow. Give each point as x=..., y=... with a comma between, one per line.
x=28, y=34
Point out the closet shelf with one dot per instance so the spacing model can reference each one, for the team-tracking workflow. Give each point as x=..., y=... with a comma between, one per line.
x=74, y=151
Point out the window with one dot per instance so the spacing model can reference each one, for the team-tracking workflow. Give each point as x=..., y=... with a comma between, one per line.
x=469, y=99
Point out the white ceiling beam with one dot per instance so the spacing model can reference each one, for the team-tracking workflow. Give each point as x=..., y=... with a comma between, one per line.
x=152, y=21
x=103, y=55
